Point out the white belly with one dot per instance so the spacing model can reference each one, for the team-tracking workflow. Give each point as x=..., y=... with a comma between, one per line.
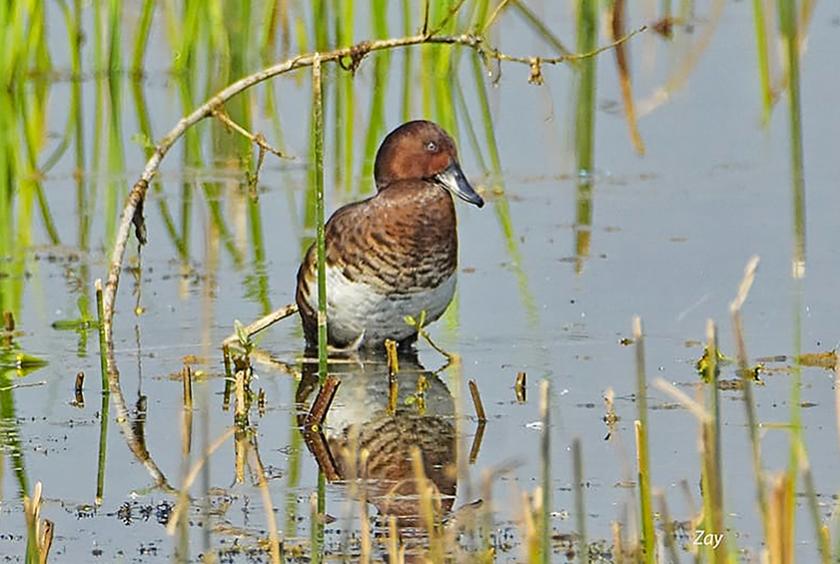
x=354, y=309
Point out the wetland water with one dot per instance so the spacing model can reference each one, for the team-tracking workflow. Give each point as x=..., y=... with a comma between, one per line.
x=551, y=273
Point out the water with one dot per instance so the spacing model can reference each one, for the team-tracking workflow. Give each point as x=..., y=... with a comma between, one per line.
x=668, y=239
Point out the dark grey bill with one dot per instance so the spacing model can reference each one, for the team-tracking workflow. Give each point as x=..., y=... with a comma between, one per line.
x=453, y=179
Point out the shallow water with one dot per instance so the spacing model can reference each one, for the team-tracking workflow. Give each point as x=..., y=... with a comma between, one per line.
x=669, y=236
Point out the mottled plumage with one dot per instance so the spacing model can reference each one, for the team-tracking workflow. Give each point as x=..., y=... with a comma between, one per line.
x=394, y=254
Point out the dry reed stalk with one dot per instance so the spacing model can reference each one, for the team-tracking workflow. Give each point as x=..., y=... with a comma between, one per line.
x=186, y=379
x=426, y=495
x=477, y=404
x=393, y=358
x=271, y=521
x=183, y=493
x=519, y=387
x=743, y=369
x=618, y=543
x=780, y=521
x=396, y=553
x=667, y=527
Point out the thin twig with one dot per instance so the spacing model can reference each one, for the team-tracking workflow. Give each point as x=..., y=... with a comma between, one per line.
x=255, y=138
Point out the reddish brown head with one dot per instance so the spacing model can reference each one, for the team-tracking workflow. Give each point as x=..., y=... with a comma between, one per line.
x=421, y=150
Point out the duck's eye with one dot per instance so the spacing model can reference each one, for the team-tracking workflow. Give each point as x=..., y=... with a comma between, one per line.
x=431, y=147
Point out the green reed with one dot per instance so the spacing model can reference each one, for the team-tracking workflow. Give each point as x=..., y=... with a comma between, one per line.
x=376, y=120
x=761, y=42
x=348, y=96
x=712, y=470
x=790, y=37
x=545, y=471
x=318, y=188
x=642, y=448
x=580, y=508
x=587, y=39
x=141, y=37
x=260, y=288
x=540, y=28
x=408, y=65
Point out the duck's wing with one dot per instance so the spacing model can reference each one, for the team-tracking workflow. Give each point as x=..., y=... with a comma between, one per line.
x=345, y=247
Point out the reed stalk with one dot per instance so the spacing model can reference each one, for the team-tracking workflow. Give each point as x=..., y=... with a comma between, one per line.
x=712, y=473
x=749, y=401
x=760, y=24
x=642, y=449
x=580, y=508
x=318, y=187
x=141, y=39
x=790, y=37
x=587, y=37
x=545, y=467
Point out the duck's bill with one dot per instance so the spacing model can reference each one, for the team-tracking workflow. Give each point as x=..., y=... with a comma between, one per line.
x=454, y=180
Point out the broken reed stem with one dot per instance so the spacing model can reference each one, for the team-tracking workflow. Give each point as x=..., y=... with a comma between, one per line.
x=133, y=209
x=519, y=387
x=183, y=493
x=545, y=456
x=743, y=370
x=45, y=540
x=186, y=380
x=79, y=389
x=228, y=377
x=643, y=459
x=240, y=412
x=260, y=324
x=577, y=458
x=476, y=398
x=187, y=413
x=392, y=356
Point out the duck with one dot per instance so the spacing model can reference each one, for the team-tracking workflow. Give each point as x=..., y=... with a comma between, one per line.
x=394, y=254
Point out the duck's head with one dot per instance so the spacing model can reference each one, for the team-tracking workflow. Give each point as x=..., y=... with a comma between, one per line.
x=422, y=150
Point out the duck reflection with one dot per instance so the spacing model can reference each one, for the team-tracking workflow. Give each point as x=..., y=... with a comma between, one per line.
x=373, y=424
